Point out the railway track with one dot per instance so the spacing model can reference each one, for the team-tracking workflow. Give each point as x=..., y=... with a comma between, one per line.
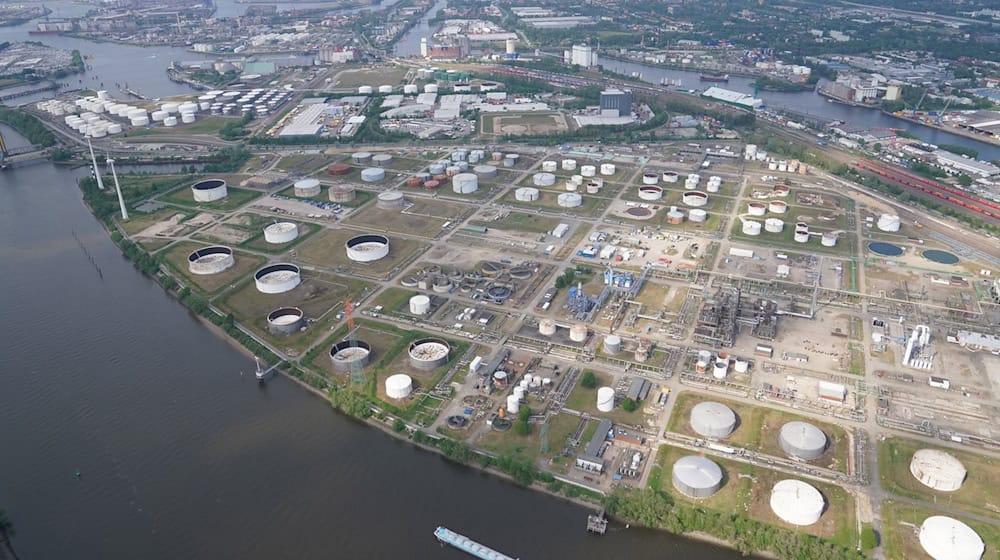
x=951, y=195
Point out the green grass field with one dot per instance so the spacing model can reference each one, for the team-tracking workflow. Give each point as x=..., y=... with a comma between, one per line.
x=235, y=198
x=176, y=257
x=207, y=125
x=520, y=221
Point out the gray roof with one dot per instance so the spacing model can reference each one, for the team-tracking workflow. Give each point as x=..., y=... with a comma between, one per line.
x=639, y=389
x=594, y=447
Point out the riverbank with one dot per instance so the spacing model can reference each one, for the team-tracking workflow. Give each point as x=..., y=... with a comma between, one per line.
x=686, y=67
x=989, y=140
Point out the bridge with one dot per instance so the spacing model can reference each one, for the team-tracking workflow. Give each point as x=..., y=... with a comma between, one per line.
x=24, y=155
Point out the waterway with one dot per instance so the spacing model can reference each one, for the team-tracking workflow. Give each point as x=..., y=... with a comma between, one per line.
x=809, y=103
x=183, y=455
x=409, y=43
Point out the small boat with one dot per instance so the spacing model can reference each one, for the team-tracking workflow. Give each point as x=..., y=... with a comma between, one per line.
x=714, y=78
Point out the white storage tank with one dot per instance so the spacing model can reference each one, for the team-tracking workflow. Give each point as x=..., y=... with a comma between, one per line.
x=650, y=192
x=139, y=121
x=670, y=177
x=568, y=164
x=801, y=236
x=751, y=227
x=398, y=386
x=211, y=260
x=944, y=538
x=381, y=160
x=650, y=178
x=697, y=215
x=756, y=209
x=372, y=174
x=546, y=327
x=365, y=90
x=277, y=278
x=410, y=89
x=774, y=225
x=797, y=502
x=695, y=199
x=888, y=222
x=696, y=476
x=713, y=420
x=209, y=190
x=170, y=121
x=612, y=344
x=578, y=332
x=158, y=116
x=526, y=194
x=485, y=171
x=430, y=88
x=420, y=304
x=385, y=89
x=465, y=183
x=828, y=239
x=169, y=108
x=187, y=118
x=114, y=128
x=543, y=179
x=307, y=188
x=588, y=170
x=608, y=169
x=281, y=232
x=605, y=399
x=938, y=470
x=720, y=368
x=777, y=207
x=549, y=166
x=569, y=200
x=367, y=248
x=187, y=107
x=801, y=440
x=513, y=404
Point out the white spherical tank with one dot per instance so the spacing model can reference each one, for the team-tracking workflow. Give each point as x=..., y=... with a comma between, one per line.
x=944, y=538
x=546, y=327
x=608, y=169
x=367, y=248
x=543, y=179
x=605, y=399
x=372, y=174
x=695, y=199
x=888, y=222
x=277, y=278
x=307, y=188
x=588, y=170
x=797, y=502
x=526, y=194
x=713, y=420
x=549, y=166
x=209, y=190
x=774, y=225
x=650, y=192
x=569, y=200
x=696, y=476
x=210, y=260
x=751, y=227
x=465, y=183
x=568, y=164
x=281, y=232
x=398, y=386
x=938, y=470
x=578, y=332
x=420, y=304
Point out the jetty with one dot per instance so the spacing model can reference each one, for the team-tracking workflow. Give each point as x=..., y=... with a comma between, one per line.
x=468, y=546
x=597, y=524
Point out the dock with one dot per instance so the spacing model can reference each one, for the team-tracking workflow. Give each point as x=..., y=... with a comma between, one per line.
x=597, y=524
x=468, y=546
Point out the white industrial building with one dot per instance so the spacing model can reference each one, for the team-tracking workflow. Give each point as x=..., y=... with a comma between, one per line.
x=733, y=97
x=965, y=165
x=590, y=460
x=582, y=55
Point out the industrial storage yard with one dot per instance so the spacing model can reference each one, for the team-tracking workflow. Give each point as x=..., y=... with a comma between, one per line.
x=735, y=336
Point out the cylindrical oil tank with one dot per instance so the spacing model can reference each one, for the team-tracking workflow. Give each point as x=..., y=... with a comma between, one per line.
x=543, y=179
x=578, y=332
x=281, y=232
x=350, y=355
x=526, y=194
x=139, y=121
x=385, y=89
x=285, y=320
x=802, y=440
x=650, y=178
x=169, y=108
x=465, y=183
x=338, y=169
x=452, y=170
x=751, y=227
x=937, y=470
x=568, y=164
x=209, y=190
x=546, y=327
x=381, y=160
x=777, y=207
x=675, y=216
x=756, y=209
x=361, y=157
x=569, y=200
x=650, y=192
x=696, y=476
x=608, y=169
x=593, y=187
x=114, y=128
x=158, y=116
x=549, y=166
x=605, y=399
x=410, y=89
x=341, y=193
x=430, y=88
x=801, y=236
x=828, y=239
x=774, y=225
x=612, y=344
x=741, y=365
x=420, y=304
x=670, y=177
x=187, y=107
x=365, y=90
x=697, y=215
x=170, y=121
x=187, y=118
x=888, y=222
x=588, y=170
x=307, y=187
x=210, y=260
x=713, y=420
x=429, y=353
x=944, y=538
x=277, y=278
x=720, y=368
x=797, y=502
x=485, y=171
x=367, y=248
x=437, y=168
x=372, y=174
x=694, y=198
x=398, y=386
x=513, y=404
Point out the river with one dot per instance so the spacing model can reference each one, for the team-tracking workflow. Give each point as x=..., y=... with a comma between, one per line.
x=409, y=43
x=810, y=103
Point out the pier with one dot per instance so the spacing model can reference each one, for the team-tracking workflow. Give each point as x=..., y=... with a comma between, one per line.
x=597, y=524
x=468, y=546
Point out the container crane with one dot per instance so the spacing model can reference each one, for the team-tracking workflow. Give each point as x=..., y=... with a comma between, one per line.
x=913, y=112
x=941, y=113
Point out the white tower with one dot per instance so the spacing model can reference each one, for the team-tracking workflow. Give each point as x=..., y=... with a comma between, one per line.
x=118, y=189
x=511, y=46
x=93, y=161
x=423, y=47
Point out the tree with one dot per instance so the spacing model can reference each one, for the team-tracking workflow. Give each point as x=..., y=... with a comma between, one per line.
x=6, y=533
x=964, y=180
x=629, y=405
x=398, y=425
x=589, y=380
x=869, y=539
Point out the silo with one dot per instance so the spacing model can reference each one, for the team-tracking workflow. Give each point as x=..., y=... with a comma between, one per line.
x=612, y=344
x=306, y=188
x=546, y=327
x=465, y=183
x=549, y=166
x=938, y=470
x=605, y=399
x=774, y=225
x=944, y=538
x=420, y=304
x=797, y=502
x=697, y=215
x=372, y=174
x=608, y=169
x=801, y=440
x=713, y=419
x=381, y=160
x=578, y=332
x=696, y=476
